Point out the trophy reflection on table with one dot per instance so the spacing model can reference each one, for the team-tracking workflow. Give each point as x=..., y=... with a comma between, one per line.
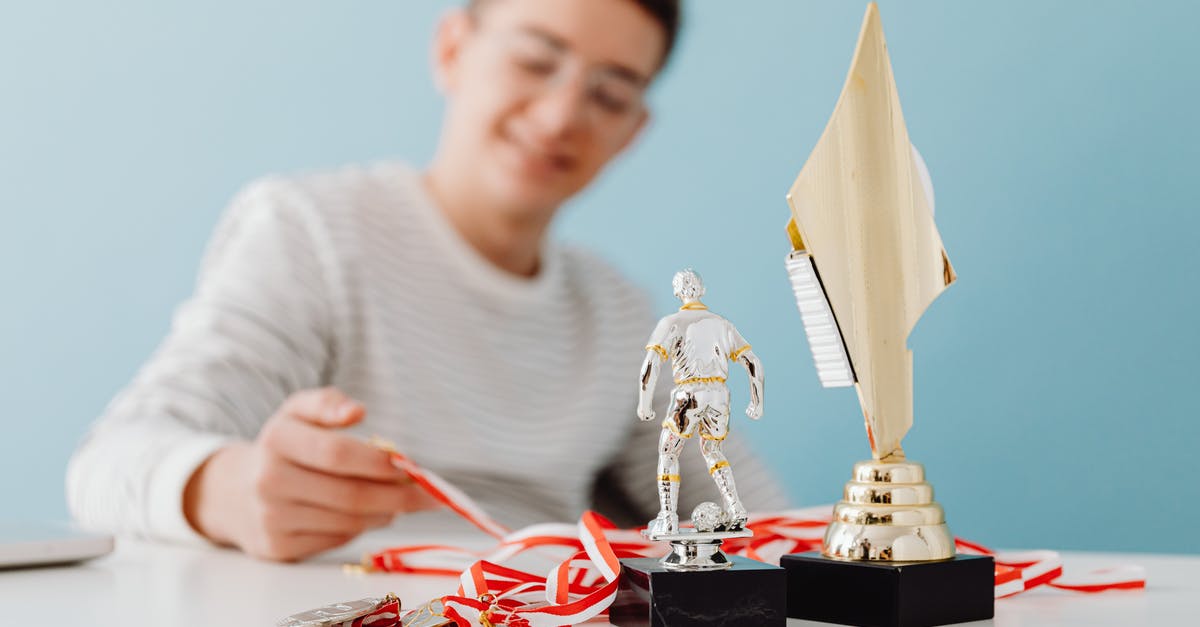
x=867, y=260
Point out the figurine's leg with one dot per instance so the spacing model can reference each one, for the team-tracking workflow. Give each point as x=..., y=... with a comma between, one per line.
x=722, y=475
x=669, y=446
x=714, y=431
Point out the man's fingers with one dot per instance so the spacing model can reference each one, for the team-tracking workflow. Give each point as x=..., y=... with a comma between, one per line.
x=330, y=452
x=299, y=518
x=379, y=520
x=327, y=407
x=292, y=547
x=282, y=480
x=418, y=499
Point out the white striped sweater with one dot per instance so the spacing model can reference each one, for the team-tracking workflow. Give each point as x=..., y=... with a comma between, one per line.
x=519, y=391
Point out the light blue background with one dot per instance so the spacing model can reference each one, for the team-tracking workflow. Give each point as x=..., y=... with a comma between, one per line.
x=1052, y=382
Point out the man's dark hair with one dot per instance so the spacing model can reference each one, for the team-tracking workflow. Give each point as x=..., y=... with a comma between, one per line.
x=666, y=12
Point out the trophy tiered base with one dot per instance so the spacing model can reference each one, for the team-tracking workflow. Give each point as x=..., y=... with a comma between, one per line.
x=697, y=584
x=889, y=558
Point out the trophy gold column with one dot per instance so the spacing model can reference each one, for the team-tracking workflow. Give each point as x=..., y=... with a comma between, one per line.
x=866, y=261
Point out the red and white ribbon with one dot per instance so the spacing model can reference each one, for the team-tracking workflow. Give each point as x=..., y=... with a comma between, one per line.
x=569, y=594
x=1018, y=571
x=582, y=585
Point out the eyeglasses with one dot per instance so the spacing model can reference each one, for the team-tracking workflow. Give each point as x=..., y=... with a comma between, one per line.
x=536, y=62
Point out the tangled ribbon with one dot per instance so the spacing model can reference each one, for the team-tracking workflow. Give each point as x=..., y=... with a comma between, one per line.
x=583, y=585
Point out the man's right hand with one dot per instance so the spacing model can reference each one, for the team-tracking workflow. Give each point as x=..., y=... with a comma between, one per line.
x=302, y=487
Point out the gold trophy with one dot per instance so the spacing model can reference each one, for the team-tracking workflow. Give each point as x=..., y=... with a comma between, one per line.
x=867, y=260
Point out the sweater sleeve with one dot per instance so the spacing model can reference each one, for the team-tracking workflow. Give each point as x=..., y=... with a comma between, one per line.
x=255, y=330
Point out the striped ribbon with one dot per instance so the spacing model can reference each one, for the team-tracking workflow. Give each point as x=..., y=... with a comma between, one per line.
x=583, y=585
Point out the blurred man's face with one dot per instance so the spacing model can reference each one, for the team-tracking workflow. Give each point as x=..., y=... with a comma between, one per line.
x=543, y=93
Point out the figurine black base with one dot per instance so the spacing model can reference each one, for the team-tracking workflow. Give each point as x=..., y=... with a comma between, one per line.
x=749, y=593
x=888, y=594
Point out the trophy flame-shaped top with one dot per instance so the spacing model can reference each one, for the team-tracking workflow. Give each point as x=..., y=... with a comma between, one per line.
x=860, y=211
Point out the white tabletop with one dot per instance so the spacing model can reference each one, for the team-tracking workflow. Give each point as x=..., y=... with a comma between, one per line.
x=144, y=583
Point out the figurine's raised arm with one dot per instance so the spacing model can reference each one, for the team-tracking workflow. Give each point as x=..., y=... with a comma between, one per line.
x=742, y=354
x=753, y=368
x=656, y=354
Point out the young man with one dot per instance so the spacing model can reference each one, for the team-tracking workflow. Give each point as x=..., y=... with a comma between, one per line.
x=428, y=308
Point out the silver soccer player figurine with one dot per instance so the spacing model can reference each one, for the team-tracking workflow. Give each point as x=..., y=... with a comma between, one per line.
x=700, y=345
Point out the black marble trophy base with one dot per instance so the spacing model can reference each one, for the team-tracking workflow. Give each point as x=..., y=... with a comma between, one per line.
x=890, y=594
x=749, y=593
